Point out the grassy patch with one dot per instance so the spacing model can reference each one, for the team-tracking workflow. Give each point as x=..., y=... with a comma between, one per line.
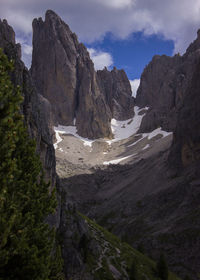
x=119, y=255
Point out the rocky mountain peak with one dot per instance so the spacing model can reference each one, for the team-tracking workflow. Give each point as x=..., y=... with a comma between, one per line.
x=163, y=87
x=117, y=91
x=64, y=74
x=7, y=40
x=194, y=46
x=50, y=14
x=7, y=33
x=35, y=108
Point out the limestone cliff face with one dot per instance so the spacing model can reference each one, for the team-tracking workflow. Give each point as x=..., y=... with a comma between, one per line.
x=117, y=91
x=164, y=85
x=36, y=108
x=185, y=149
x=64, y=74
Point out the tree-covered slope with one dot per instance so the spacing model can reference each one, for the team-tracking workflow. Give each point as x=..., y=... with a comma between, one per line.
x=91, y=252
x=26, y=241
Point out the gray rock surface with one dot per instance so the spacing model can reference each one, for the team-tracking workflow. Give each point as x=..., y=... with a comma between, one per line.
x=64, y=74
x=164, y=85
x=117, y=91
x=185, y=151
x=36, y=109
x=155, y=201
x=145, y=203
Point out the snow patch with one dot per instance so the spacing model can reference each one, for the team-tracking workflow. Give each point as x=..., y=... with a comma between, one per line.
x=152, y=134
x=146, y=147
x=124, y=129
x=116, y=161
x=120, y=129
x=134, y=86
x=156, y=132
x=58, y=138
x=60, y=129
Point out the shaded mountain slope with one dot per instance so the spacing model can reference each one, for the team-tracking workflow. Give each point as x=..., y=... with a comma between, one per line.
x=145, y=203
x=91, y=252
x=82, y=240
x=164, y=86
x=36, y=109
x=155, y=201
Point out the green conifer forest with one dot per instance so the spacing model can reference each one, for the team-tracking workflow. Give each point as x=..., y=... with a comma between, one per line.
x=26, y=241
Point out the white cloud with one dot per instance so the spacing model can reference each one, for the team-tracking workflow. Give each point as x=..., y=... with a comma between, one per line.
x=100, y=59
x=92, y=19
x=115, y=3
x=26, y=50
x=134, y=86
x=19, y=19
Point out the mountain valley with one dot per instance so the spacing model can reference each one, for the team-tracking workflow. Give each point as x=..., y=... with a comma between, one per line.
x=126, y=169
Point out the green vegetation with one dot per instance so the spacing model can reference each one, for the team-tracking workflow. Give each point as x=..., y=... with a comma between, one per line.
x=27, y=244
x=162, y=268
x=187, y=277
x=133, y=272
x=140, y=248
x=117, y=258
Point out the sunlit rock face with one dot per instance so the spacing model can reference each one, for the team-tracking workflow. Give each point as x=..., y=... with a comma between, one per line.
x=164, y=86
x=117, y=91
x=64, y=73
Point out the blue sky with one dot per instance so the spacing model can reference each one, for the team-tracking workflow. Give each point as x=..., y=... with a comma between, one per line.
x=124, y=33
x=135, y=52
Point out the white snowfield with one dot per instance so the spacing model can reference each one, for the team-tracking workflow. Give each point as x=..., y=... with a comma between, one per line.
x=61, y=129
x=116, y=161
x=124, y=129
x=120, y=129
x=150, y=135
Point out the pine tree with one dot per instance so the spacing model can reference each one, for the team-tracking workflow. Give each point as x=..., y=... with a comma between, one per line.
x=140, y=248
x=187, y=277
x=26, y=241
x=162, y=268
x=133, y=271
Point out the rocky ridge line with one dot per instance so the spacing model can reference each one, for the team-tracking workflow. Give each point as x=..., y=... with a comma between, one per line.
x=64, y=74
x=36, y=109
x=163, y=87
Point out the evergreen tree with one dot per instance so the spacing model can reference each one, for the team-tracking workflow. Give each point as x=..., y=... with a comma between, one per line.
x=133, y=271
x=162, y=268
x=140, y=248
x=26, y=242
x=187, y=277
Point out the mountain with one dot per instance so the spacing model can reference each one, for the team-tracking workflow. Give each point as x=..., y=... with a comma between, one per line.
x=117, y=91
x=151, y=201
x=64, y=74
x=154, y=200
x=164, y=86
x=82, y=240
x=36, y=109
x=91, y=252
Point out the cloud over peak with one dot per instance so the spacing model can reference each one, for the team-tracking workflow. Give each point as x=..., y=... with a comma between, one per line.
x=100, y=59
x=92, y=19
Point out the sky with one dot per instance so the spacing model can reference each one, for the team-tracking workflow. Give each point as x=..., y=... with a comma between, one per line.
x=121, y=33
